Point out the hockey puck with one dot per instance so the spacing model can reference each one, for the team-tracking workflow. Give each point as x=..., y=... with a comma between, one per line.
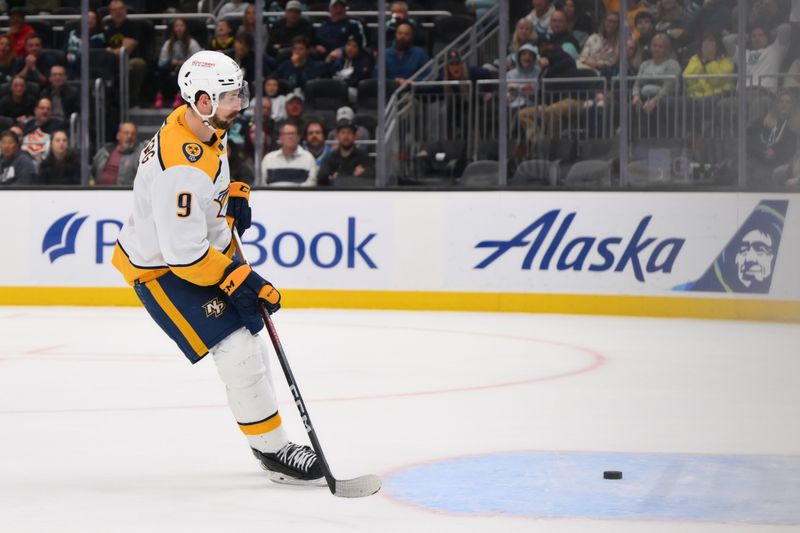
x=612, y=474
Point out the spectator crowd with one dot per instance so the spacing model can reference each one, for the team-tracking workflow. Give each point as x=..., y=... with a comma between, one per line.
x=686, y=44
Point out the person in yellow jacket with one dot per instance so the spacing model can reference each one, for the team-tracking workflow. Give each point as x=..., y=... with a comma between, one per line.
x=711, y=60
x=709, y=121
x=634, y=8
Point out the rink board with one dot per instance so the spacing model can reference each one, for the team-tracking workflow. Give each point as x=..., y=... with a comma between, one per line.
x=715, y=255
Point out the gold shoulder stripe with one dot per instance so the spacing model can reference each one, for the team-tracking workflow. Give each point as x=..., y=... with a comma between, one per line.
x=179, y=146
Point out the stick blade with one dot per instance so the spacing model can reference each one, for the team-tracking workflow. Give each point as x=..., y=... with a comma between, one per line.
x=358, y=487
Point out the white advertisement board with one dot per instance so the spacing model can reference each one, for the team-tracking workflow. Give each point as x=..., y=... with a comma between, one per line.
x=717, y=245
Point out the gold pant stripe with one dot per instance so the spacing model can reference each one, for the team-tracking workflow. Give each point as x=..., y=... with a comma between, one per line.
x=265, y=426
x=177, y=318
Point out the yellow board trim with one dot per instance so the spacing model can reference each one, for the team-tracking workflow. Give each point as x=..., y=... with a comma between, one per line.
x=177, y=318
x=265, y=426
x=584, y=304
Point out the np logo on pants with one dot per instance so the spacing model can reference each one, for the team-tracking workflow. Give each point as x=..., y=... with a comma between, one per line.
x=214, y=307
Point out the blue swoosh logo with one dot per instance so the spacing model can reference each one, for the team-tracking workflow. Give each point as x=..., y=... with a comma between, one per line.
x=60, y=237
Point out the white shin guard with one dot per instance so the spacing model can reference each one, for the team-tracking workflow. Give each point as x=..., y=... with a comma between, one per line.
x=243, y=366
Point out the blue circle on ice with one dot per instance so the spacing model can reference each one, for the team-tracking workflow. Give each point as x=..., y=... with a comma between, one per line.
x=748, y=489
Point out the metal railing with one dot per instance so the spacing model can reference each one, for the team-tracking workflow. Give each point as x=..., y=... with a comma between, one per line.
x=324, y=15
x=466, y=44
x=99, y=116
x=660, y=121
x=435, y=113
x=45, y=18
x=124, y=86
x=400, y=113
x=74, y=131
x=576, y=111
x=780, y=79
x=705, y=114
x=396, y=153
x=211, y=18
x=687, y=138
x=166, y=16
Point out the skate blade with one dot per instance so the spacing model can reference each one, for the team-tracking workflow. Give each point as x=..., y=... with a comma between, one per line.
x=283, y=479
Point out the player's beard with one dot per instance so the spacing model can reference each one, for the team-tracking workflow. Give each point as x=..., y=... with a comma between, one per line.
x=220, y=123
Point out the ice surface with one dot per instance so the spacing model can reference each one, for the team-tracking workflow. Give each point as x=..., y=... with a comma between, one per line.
x=104, y=426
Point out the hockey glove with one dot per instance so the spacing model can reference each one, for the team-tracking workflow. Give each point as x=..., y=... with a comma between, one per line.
x=239, y=206
x=247, y=290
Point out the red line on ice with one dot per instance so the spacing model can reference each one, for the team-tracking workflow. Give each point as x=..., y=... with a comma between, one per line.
x=597, y=360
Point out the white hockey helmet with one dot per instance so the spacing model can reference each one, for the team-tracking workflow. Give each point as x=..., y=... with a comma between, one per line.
x=215, y=74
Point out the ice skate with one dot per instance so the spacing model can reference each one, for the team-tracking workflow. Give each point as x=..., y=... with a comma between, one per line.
x=293, y=464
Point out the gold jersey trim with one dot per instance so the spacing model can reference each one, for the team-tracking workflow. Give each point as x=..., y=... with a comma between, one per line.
x=179, y=146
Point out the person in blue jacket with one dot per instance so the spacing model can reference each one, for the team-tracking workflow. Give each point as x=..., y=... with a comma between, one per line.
x=300, y=67
x=333, y=33
x=404, y=59
x=351, y=64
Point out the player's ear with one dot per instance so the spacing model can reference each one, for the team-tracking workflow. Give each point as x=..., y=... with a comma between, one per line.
x=203, y=102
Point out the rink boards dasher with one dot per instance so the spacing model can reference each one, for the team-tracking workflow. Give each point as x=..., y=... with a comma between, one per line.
x=712, y=255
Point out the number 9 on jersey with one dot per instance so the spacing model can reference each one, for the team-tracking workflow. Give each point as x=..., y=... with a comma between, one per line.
x=184, y=204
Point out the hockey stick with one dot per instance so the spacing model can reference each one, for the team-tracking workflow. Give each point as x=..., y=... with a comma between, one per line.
x=344, y=488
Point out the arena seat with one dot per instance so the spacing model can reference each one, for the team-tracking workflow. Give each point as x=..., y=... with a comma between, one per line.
x=368, y=94
x=367, y=121
x=589, y=173
x=535, y=172
x=58, y=56
x=480, y=174
x=325, y=94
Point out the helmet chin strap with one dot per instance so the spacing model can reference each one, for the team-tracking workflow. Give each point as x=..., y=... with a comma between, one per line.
x=205, y=118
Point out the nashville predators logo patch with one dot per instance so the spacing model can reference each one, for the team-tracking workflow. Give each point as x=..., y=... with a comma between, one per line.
x=193, y=152
x=214, y=307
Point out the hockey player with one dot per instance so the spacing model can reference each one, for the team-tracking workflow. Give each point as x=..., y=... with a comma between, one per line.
x=176, y=251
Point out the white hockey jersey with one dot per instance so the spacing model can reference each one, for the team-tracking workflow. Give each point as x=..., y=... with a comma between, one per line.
x=178, y=220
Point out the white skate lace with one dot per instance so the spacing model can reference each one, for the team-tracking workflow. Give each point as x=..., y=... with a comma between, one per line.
x=299, y=457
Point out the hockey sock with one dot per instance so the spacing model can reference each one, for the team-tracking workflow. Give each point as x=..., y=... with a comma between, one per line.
x=243, y=367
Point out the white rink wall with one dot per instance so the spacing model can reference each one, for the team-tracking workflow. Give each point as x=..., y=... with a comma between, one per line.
x=615, y=252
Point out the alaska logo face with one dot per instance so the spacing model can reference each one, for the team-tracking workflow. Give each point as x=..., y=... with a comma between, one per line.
x=214, y=307
x=60, y=237
x=193, y=152
x=637, y=253
x=747, y=262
